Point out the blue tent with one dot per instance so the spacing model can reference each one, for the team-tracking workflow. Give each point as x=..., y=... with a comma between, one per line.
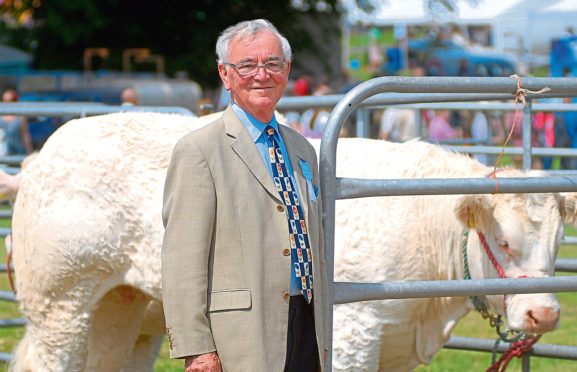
x=564, y=56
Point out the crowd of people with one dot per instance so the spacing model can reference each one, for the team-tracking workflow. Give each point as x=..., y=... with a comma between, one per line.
x=463, y=126
x=483, y=127
x=15, y=137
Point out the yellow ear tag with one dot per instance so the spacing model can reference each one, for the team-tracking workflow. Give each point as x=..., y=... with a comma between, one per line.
x=471, y=220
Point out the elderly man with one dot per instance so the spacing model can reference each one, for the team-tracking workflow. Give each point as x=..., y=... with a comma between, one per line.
x=242, y=213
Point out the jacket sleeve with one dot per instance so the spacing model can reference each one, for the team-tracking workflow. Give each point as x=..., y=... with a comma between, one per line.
x=323, y=280
x=188, y=216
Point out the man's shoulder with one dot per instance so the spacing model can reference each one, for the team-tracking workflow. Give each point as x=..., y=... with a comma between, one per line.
x=209, y=130
x=294, y=135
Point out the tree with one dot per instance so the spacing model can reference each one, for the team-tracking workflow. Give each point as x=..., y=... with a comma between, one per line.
x=184, y=32
x=56, y=32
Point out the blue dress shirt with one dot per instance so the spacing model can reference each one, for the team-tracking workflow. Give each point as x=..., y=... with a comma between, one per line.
x=256, y=131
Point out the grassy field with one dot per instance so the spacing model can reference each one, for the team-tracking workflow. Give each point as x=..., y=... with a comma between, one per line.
x=445, y=361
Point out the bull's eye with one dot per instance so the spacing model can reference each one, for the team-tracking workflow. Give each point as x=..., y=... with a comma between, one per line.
x=502, y=243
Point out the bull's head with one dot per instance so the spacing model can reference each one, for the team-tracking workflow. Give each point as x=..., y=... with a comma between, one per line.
x=523, y=232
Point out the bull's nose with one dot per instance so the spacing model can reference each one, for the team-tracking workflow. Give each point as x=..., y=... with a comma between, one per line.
x=542, y=319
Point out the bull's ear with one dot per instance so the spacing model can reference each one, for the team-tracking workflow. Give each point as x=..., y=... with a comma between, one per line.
x=568, y=207
x=474, y=210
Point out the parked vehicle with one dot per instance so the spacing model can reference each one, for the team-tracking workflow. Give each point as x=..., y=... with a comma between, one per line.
x=445, y=58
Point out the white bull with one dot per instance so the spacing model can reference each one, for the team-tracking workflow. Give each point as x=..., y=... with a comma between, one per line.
x=87, y=236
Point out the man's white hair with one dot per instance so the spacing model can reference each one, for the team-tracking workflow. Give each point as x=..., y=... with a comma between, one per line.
x=249, y=29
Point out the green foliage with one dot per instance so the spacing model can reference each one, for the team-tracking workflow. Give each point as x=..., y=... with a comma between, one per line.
x=184, y=32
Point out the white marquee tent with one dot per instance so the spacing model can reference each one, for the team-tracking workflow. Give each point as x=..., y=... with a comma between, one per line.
x=518, y=26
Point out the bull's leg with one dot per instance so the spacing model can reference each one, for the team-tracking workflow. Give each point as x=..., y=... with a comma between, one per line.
x=150, y=339
x=56, y=334
x=145, y=353
x=356, y=338
x=115, y=328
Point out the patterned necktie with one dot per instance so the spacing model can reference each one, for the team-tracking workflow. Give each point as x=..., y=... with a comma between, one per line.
x=299, y=241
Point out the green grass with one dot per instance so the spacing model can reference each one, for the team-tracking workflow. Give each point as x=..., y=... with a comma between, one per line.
x=9, y=336
x=445, y=361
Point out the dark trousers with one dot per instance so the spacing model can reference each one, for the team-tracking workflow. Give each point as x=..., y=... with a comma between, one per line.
x=302, y=353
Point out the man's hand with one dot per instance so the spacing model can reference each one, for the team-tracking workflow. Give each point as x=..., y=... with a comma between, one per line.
x=208, y=362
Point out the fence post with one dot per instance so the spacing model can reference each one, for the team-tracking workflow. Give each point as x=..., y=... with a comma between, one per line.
x=527, y=135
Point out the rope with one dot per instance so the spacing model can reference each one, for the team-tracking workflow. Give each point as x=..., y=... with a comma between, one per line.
x=8, y=260
x=521, y=342
x=491, y=256
x=516, y=350
x=480, y=307
x=520, y=94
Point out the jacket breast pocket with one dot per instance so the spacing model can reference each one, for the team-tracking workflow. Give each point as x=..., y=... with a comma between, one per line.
x=229, y=299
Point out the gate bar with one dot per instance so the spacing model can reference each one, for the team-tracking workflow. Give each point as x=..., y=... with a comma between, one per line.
x=78, y=109
x=540, y=350
x=392, y=99
x=493, y=150
x=347, y=188
x=347, y=292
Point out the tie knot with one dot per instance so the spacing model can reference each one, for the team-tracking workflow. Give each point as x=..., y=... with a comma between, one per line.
x=269, y=131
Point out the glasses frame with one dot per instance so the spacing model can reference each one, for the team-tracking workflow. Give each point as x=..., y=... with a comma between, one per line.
x=258, y=66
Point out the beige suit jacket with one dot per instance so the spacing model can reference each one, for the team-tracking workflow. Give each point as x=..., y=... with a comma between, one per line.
x=224, y=274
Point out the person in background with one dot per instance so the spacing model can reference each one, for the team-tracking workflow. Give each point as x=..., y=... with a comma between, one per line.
x=397, y=125
x=313, y=121
x=243, y=240
x=129, y=97
x=204, y=107
x=439, y=128
x=14, y=131
x=298, y=88
x=570, y=121
x=301, y=86
x=480, y=134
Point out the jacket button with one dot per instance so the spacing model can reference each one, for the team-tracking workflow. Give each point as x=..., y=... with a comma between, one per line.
x=286, y=252
x=286, y=295
x=280, y=208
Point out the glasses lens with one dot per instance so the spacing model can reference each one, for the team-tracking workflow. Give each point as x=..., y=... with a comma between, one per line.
x=248, y=69
x=273, y=67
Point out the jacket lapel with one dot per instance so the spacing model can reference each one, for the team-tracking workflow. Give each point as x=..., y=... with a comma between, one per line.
x=295, y=155
x=243, y=145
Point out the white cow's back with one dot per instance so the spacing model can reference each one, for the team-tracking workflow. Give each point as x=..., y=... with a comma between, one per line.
x=97, y=177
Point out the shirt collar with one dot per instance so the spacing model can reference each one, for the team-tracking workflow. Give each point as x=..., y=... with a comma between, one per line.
x=254, y=127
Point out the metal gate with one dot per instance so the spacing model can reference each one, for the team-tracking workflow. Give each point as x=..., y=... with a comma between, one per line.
x=435, y=89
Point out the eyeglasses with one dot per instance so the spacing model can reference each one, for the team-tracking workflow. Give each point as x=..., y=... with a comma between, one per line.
x=251, y=69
